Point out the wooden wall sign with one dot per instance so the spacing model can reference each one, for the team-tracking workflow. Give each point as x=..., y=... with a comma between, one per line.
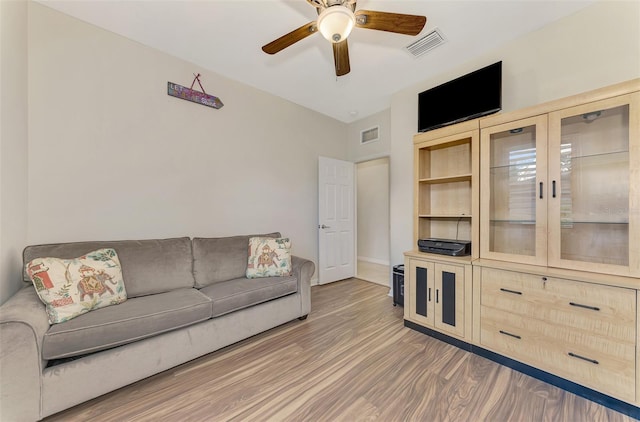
x=192, y=95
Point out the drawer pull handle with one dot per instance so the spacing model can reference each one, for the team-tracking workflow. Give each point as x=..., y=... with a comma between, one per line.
x=510, y=291
x=510, y=335
x=593, y=308
x=573, y=355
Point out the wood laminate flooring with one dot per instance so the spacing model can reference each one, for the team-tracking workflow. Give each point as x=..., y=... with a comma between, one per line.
x=374, y=273
x=351, y=360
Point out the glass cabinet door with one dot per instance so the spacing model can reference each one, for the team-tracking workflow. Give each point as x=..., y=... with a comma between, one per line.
x=593, y=169
x=513, y=202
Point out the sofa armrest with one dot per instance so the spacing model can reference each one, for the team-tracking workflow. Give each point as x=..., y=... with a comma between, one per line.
x=303, y=270
x=23, y=324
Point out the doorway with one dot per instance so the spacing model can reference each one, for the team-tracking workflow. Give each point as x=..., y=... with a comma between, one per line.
x=373, y=221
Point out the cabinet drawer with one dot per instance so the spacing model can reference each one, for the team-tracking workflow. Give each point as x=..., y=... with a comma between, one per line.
x=596, y=362
x=599, y=310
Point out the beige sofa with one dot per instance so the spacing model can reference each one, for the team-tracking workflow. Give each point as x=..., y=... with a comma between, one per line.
x=186, y=298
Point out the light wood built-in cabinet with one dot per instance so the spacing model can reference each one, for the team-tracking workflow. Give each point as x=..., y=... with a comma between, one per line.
x=594, y=168
x=584, y=332
x=513, y=201
x=446, y=184
x=438, y=287
x=439, y=297
x=550, y=198
x=557, y=187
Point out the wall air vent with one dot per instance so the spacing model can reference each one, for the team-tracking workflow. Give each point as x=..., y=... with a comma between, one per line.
x=426, y=43
x=369, y=135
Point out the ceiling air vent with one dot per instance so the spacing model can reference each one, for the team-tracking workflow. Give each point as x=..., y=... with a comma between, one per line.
x=369, y=135
x=426, y=43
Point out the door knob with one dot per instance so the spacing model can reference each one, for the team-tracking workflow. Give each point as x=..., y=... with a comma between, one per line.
x=324, y=227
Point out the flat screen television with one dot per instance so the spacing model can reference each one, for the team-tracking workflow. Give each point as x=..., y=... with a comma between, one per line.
x=470, y=96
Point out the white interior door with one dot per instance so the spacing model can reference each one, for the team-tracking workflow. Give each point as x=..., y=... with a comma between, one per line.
x=336, y=226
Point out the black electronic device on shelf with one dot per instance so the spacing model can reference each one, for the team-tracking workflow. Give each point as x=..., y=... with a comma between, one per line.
x=445, y=246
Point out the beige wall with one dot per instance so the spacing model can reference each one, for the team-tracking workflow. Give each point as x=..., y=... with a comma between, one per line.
x=595, y=47
x=373, y=210
x=372, y=186
x=13, y=143
x=362, y=152
x=112, y=156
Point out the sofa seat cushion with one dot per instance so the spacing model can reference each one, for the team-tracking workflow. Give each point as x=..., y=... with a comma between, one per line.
x=135, y=319
x=233, y=295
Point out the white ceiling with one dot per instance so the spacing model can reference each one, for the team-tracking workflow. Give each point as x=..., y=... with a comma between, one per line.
x=226, y=36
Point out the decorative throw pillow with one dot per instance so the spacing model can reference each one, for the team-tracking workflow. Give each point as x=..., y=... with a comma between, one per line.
x=72, y=287
x=269, y=257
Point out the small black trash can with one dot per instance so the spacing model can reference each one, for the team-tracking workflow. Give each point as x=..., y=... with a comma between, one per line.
x=398, y=285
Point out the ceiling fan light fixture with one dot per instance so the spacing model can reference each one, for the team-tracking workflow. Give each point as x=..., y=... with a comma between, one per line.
x=336, y=22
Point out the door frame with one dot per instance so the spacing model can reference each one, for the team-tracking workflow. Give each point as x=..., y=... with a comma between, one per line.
x=357, y=210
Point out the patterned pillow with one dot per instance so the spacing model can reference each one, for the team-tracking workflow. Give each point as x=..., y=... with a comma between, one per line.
x=269, y=257
x=72, y=287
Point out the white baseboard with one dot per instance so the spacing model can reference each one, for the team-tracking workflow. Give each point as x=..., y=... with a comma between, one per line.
x=373, y=260
x=375, y=282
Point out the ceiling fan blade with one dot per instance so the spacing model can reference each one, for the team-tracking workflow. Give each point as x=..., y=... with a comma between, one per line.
x=341, y=57
x=390, y=22
x=291, y=38
x=316, y=3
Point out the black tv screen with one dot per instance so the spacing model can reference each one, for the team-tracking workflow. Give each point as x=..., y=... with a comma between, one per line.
x=470, y=96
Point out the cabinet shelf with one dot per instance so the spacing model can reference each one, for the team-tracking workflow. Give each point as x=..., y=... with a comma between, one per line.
x=512, y=221
x=446, y=179
x=446, y=164
x=531, y=166
x=444, y=216
x=602, y=154
x=566, y=222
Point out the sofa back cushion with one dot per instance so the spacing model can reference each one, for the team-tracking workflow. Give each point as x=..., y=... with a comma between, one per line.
x=148, y=266
x=222, y=258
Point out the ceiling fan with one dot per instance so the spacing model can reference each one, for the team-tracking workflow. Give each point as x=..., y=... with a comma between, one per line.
x=336, y=19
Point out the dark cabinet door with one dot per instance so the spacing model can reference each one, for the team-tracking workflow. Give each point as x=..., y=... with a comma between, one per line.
x=421, y=290
x=449, y=298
